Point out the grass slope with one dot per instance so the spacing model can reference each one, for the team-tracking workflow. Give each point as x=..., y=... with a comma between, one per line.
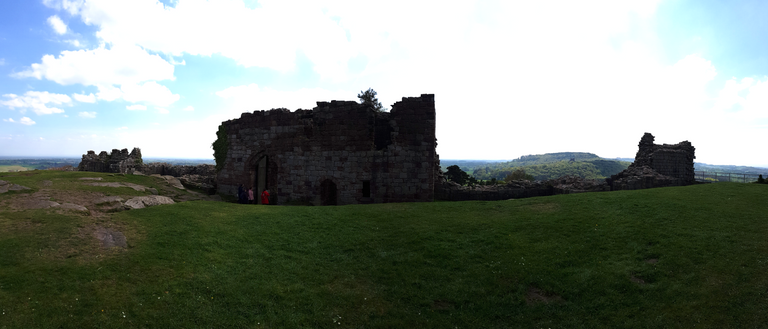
x=672, y=257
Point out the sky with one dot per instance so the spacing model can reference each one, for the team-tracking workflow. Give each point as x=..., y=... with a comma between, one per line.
x=510, y=78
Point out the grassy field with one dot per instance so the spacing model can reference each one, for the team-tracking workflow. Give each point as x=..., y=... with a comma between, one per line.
x=691, y=256
x=13, y=168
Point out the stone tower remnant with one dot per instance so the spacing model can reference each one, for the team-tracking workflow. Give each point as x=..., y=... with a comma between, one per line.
x=340, y=152
x=657, y=166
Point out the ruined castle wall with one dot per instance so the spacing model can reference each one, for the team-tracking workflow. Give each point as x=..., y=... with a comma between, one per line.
x=338, y=144
x=118, y=161
x=657, y=166
x=669, y=160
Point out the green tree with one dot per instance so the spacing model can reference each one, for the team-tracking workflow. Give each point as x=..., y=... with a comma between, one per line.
x=368, y=98
x=518, y=174
x=455, y=174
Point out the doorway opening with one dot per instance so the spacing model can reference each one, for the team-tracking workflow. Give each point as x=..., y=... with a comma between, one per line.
x=328, y=193
x=260, y=182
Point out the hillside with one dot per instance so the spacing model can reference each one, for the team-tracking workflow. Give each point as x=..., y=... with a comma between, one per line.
x=730, y=169
x=650, y=258
x=544, y=166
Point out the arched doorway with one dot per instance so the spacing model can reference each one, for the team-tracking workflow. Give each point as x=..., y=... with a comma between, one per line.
x=260, y=178
x=328, y=193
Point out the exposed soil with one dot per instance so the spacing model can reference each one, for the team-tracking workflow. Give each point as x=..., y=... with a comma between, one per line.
x=110, y=238
x=442, y=305
x=636, y=280
x=535, y=295
x=97, y=235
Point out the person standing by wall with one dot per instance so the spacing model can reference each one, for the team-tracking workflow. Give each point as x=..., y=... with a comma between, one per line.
x=250, y=195
x=265, y=197
x=241, y=194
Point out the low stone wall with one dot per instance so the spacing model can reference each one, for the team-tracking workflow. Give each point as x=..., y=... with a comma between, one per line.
x=163, y=168
x=449, y=191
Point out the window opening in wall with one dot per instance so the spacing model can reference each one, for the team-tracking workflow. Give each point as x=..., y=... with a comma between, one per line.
x=366, y=189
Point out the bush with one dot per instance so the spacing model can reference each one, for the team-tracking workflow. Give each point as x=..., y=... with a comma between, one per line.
x=760, y=180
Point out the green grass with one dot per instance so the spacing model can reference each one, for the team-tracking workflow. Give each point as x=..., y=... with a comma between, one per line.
x=431, y=265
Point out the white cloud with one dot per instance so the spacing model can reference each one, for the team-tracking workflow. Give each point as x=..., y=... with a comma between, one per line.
x=251, y=97
x=2, y=61
x=90, y=98
x=37, y=101
x=121, y=71
x=249, y=36
x=26, y=121
x=122, y=128
x=745, y=99
x=136, y=107
x=189, y=108
x=87, y=115
x=162, y=110
x=57, y=24
x=71, y=6
x=74, y=42
x=108, y=93
x=118, y=65
x=9, y=120
x=151, y=92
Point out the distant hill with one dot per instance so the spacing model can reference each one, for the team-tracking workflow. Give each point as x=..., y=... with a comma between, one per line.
x=730, y=169
x=544, y=166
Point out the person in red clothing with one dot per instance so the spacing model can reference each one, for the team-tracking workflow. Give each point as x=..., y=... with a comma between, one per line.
x=265, y=197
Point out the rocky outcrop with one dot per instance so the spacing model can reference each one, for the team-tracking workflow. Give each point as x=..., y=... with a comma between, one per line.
x=201, y=177
x=147, y=201
x=641, y=177
x=7, y=186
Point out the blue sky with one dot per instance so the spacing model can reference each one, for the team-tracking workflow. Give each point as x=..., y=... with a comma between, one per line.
x=511, y=78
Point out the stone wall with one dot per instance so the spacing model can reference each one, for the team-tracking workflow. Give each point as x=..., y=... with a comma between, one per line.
x=657, y=166
x=340, y=152
x=118, y=161
x=450, y=191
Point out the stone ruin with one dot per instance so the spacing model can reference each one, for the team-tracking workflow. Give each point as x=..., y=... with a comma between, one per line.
x=120, y=161
x=654, y=166
x=657, y=166
x=340, y=152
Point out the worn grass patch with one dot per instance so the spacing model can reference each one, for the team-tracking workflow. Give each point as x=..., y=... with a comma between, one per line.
x=672, y=257
x=14, y=168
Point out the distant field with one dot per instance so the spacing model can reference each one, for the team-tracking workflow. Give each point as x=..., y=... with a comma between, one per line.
x=13, y=168
x=680, y=257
